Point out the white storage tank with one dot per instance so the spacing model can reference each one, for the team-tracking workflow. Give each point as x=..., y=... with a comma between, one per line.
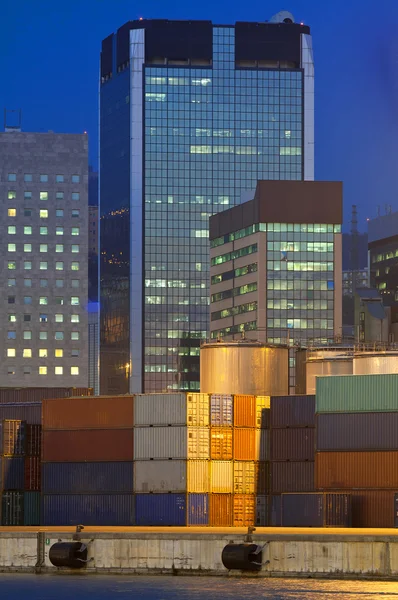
x=384, y=363
x=244, y=367
x=322, y=367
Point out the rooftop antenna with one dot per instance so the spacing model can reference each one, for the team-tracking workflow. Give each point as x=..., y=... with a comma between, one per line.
x=12, y=119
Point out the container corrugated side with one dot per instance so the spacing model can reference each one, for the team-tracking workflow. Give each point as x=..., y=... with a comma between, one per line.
x=245, y=444
x=357, y=393
x=221, y=441
x=292, y=477
x=160, y=442
x=275, y=511
x=87, y=445
x=198, y=509
x=87, y=477
x=12, y=509
x=263, y=478
x=32, y=474
x=160, y=476
x=262, y=444
x=222, y=476
x=293, y=444
x=12, y=473
x=31, y=395
x=92, y=412
x=245, y=414
x=245, y=477
x=337, y=510
x=357, y=431
x=29, y=412
x=372, y=508
x=160, y=409
x=302, y=510
x=13, y=437
x=292, y=411
x=263, y=404
x=221, y=410
x=33, y=440
x=31, y=508
x=198, y=443
x=198, y=410
x=90, y=509
x=163, y=510
x=244, y=510
x=262, y=507
x=367, y=470
x=198, y=476
x=221, y=510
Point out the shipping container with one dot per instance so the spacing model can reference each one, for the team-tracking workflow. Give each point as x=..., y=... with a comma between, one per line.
x=95, y=412
x=198, y=410
x=12, y=473
x=163, y=510
x=198, y=443
x=221, y=510
x=262, y=511
x=366, y=470
x=87, y=477
x=262, y=444
x=221, y=443
x=275, y=511
x=13, y=437
x=245, y=477
x=12, y=509
x=263, y=411
x=33, y=440
x=87, y=445
x=244, y=510
x=32, y=474
x=160, y=409
x=245, y=411
x=357, y=431
x=372, y=508
x=245, y=444
x=31, y=508
x=222, y=476
x=29, y=412
x=198, y=509
x=263, y=478
x=296, y=444
x=292, y=411
x=221, y=410
x=32, y=395
x=292, y=477
x=357, y=393
x=88, y=509
x=160, y=476
x=171, y=442
x=316, y=510
x=198, y=476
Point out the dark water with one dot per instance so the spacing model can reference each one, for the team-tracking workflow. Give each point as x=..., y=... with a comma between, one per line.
x=98, y=587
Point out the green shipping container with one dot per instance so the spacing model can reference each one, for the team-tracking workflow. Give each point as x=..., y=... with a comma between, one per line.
x=357, y=393
x=31, y=513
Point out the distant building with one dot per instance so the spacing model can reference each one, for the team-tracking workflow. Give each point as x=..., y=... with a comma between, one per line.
x=360, y=277
x=93, y=229
x=371, y=317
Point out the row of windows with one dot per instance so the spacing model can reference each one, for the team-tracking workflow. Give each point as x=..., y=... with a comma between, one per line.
x=227, y=275
x=75, y=249
x=249, y=326
x=295, y=304
x=12, y=229
x=43, y=195
x=43, y=265
x=163, y=351
x=235, y=310
x=288, y=265
x=27, y=212
x=29, y=353
x=384, y=256
x=74, y=301
x=59, y=283
x=43, y=336
x=300, y=323
x=43, y=178
x=218, y=260
x=276, y=228
x=58, y=335
x=300, y=285
x=238, y=291
x=43, y=370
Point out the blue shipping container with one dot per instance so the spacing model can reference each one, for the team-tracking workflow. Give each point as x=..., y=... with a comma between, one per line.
x=221, y=410
x=12, y=508
x=88, y=509
x=12, y=473
x=198, y=509
x=31, y=413
x=275, y=511
x=160, y=509
x=31, y=508
x=316, y=510
x=87, y=478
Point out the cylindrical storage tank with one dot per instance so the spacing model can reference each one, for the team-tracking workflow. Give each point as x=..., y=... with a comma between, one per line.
x=376, y=364
x=316, y=367
x=244, y=367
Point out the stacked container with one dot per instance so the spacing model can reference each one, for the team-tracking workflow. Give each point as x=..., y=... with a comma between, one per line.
x=357, y=444
x=12, y=459
x=172, y=467
x=87, y=461
x=292, y=449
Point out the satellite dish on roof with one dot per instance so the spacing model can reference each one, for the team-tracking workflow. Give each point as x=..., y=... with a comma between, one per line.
x=284, y=16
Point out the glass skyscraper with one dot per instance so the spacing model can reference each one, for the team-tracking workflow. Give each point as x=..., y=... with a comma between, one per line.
x=192, y=115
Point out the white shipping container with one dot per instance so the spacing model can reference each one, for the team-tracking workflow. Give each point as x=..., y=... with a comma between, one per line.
x=262, y=444
x=171, y=442
x=198, y=476
x=198, y=410
x=222, y=476
x=160, y=476
x=160, y=409
x=198, y=442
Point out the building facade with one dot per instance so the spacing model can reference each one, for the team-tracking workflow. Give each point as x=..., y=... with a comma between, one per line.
x=44, y=244
x=191, y=116
x=273, y=281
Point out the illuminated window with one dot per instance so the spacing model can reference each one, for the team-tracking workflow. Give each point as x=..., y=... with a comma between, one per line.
x=75, y=301
x=58, y=353
x=74, y=335
x=43, y=353
x=43, y=230
x=12, y=230
x=75, y=248
x=11, y=352
x=27, y=353
x=11, y=282
x=75, y=212
x=75, y=196
x=59, y=318
x=43, y=247
x=59, y=231
x=11, y=335
x=59, y=248
x=27, y=265
x=12, y=318
x=43, y=196
x=43, y=318
x=12, y=177
x=42, y=370
x=43, y=300
x=74, y=370
x=59, y=212
x=27, y=230
x=59, y=178
x=59, y=266
x=59, y=335
x=43, y=283
x=58, y=370
x=11, y=195
x=59, y=195
x=43, y=178
x=27, y=177
x=27, y=282
x=27, y=335
x=74, y=318
x=27, y=247
x=43, y=213
x=75, y=178
x=12, y=212
x=75, y=266
x=75, y=230
x=43, y=335
x=11, y=265
x=43, y=265
x=12, y=247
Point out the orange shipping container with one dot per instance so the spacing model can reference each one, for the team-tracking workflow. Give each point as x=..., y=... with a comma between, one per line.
x=245, y=411
x=245, y=444
x=221, y=510
x=87, y=445
x=102, y=412
x=367, y=470
x=244, y=510
x=372, y=508
x=221, y=443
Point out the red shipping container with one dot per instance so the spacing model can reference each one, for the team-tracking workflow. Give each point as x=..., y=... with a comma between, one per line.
x=287, y=477
x=221, y=510
x=32, y=474
x=33, y=440
x=87, y=445
x=245, y=412
x=296, y=444
x=21, y=395
x=363, y=470
x=245, y=444
x=102, y=412
x=372, y=508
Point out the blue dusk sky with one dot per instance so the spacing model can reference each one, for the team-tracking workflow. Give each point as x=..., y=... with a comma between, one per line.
x=49, y=62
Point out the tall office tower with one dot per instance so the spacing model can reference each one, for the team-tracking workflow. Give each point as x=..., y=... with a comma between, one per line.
x=276, y=266
x=191, y=116
x=43, y=242
x=383, y=258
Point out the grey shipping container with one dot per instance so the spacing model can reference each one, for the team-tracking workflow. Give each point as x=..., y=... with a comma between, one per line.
x=357, y=431
x=292, y=477
x=296, y=443
x=292, y=411
x=316, y=510
x=29, y=412
x=31, y=508
x=160, y=476
x=12, y=508
x=221, y=410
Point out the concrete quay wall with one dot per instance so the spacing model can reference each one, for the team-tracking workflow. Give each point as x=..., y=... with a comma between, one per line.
x=335, y=556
